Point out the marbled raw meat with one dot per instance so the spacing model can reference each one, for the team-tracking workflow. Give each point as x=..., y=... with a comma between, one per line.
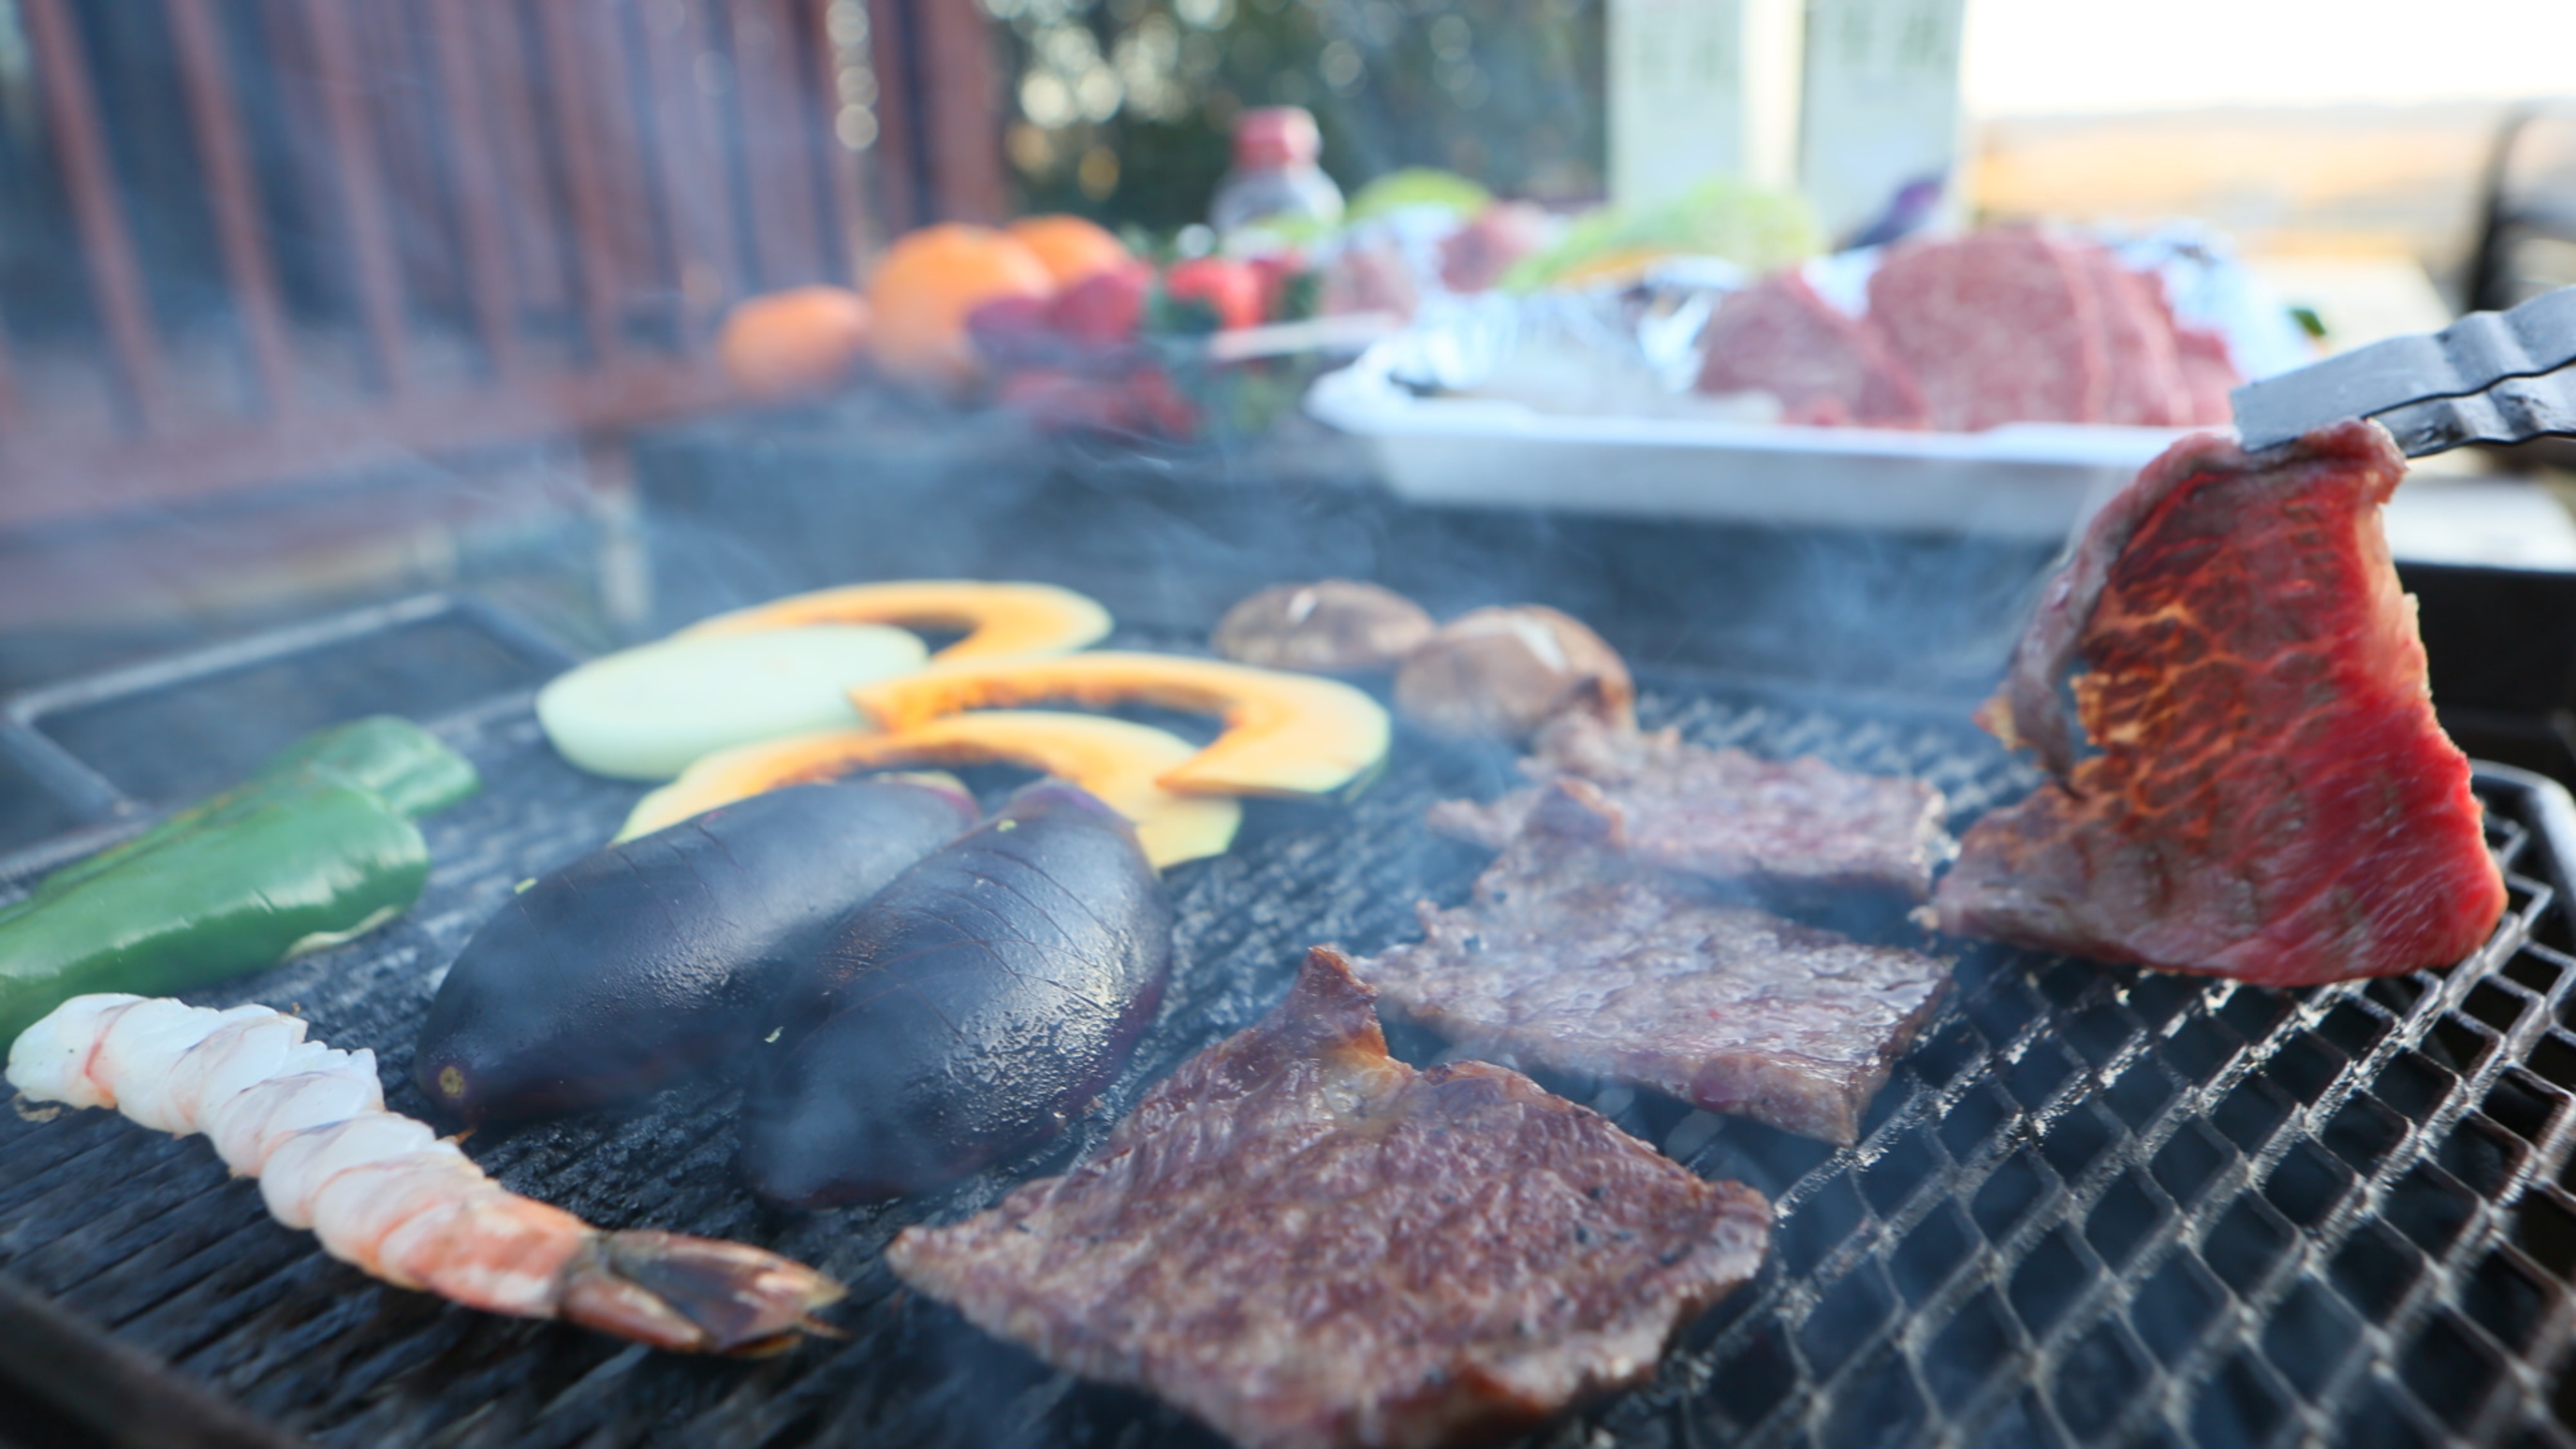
x=2000, y=326
x=1309, y=1244
x=2268, y=795
x=1573, y=957
x=2146, y=384
x=2209, y=375
x=1796, y=824
x=1826, y=368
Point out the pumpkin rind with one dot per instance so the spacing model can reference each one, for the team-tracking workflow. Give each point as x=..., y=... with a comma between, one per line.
x=1112, y=758
x=1001, y=621
x=646, y=713
x=1285, y=734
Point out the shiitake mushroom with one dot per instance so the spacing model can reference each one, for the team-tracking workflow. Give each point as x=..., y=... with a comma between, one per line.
x=1330, y=626
x=1500, y=673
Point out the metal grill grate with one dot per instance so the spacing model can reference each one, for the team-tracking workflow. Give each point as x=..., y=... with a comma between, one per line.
x=2095, y=1206
x=2112, y=1206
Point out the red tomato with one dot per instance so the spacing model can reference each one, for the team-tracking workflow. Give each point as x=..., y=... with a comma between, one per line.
x=1141, y=403
x=1007, y=330
x=1231, y=289
x=1276, y=272
x=1106, y=307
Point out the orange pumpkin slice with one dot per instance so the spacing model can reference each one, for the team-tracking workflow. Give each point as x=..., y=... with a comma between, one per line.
x=1111, y=758
x=1000, y=621
x=1285, y=734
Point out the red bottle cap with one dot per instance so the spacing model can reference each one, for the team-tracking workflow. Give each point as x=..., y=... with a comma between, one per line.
x=1269, y=137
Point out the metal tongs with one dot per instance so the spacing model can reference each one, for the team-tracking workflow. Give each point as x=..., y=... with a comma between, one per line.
x=2491, y=377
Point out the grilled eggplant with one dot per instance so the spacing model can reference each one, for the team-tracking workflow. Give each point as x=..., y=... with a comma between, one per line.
x=635, y=964
x=967, y=1013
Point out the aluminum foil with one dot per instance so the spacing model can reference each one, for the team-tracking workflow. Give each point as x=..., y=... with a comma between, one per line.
x=1634, y=350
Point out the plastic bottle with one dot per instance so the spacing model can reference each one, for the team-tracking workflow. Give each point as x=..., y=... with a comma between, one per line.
x=1275, y=175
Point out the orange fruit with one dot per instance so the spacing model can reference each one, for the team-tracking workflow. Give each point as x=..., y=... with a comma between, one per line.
x=1071, y=247
x=928, y=282
x=800, y=340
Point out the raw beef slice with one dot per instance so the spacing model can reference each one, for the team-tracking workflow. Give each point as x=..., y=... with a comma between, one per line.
x=2209, y=374
x=2002, y=326
x=1308, y=1244
x=2145, y=373
x=1778, y=336
x=2268, y=796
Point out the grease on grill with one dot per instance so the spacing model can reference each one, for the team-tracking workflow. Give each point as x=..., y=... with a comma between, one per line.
x=2021, y=1246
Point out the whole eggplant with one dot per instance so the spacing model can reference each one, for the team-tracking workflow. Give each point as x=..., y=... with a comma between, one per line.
x=635, y=964
x=967, y=1013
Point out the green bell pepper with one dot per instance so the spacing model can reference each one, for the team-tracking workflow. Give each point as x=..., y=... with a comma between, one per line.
x=315, y=849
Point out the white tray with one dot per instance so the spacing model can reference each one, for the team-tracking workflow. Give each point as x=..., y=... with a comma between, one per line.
x=2023, y=480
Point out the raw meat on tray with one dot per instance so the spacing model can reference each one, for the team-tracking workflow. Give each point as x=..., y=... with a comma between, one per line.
x=1999, y=327
x=2008, y=325
x=2209, y=375
x=1307, y=1243
x=2140, y=358
x=1796, y=824
x=1778, y=336
x=2253, y=783
x=1571, y=955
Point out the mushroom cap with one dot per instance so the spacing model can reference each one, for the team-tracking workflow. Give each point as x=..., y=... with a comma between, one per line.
x=1330, y=626
x=1500, y=673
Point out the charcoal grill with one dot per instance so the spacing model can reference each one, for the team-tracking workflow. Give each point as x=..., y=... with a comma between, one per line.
x=2094, y=1206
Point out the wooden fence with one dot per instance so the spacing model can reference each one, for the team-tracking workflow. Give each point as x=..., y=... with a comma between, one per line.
x=257, y=239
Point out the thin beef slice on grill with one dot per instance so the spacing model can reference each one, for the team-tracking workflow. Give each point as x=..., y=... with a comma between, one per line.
x=2268, y=795
x=1307, y=1243
x=1778, y=336
x=1575, y=958
x=2001, y=326
x=1795, y=825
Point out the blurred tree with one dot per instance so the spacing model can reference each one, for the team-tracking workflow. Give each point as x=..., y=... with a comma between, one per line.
x=1122, y=108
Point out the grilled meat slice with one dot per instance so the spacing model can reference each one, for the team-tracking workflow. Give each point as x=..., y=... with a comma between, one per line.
x=2269, y=796
x=1786, y=824
x=1576, y=958
x=1307, y=1243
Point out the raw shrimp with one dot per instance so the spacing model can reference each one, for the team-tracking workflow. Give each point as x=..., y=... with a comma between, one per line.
x=384, y=1193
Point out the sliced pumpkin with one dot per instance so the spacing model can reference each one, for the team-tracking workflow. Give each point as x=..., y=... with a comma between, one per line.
x=1000, y=621
x=645, y=713
x=1111, y=758
x=1285, y=734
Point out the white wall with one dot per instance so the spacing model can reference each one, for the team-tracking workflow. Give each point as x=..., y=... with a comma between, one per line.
x=2038, y=57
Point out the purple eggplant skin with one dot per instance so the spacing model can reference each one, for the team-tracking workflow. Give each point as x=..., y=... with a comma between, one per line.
x=967, y=1014
x=639, y=963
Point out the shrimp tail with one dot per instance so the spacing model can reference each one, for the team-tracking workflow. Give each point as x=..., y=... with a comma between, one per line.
x=696, y=1295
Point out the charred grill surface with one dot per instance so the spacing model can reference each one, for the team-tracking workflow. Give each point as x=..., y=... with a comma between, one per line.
x=2093, y=1205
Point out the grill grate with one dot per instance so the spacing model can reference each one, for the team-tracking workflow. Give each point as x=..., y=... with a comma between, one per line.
x=2094, y=1206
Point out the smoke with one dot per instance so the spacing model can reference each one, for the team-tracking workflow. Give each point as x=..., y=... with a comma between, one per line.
x=551, y=255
